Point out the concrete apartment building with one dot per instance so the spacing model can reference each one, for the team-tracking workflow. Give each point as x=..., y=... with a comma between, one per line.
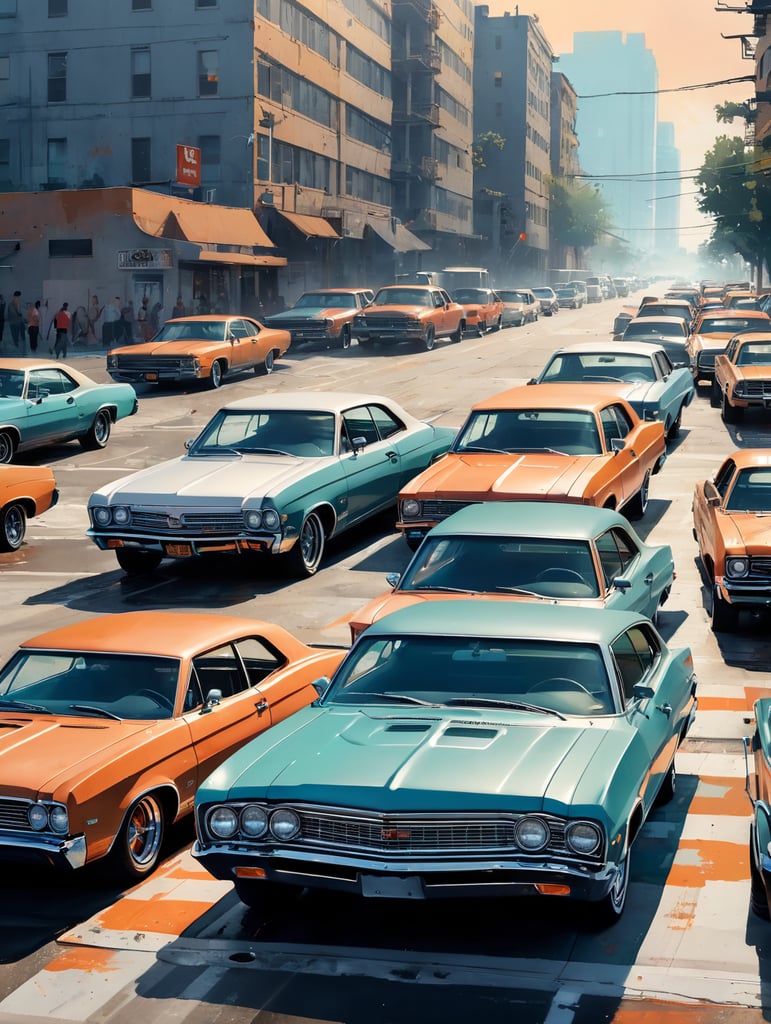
x=512, y=100
x=564, y=156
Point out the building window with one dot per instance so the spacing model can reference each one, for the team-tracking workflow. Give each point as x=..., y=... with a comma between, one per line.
x=498, y=109
x=141, y=5
x=498, y=42
x=208, y=72
x=211, y=157
x=5, y=160
x=5, y=67
x=57, y=77
x=57, y=8
x=68, y=248
x=498, y=80
x=56, y=163
x=201, y=4
x=140, y=160
x=140, y=73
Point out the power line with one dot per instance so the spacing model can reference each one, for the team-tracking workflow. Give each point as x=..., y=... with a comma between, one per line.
x=658, y=92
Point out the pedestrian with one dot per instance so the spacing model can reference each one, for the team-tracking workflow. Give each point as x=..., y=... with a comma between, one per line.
x=157, y=318
x=15, y=319
x=80, y=327
x=62, y=322
x=126, y=325
x=33, y=325
x=94, y=312
x=143, y=319
x=110, y=318
x=2, y=318
x=179, y=308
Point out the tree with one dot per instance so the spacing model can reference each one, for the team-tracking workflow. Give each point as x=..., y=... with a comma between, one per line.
x=482, y=144
x=576, y=213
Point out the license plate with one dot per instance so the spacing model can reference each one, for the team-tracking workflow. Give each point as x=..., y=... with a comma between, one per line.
x=178, y=550
x=397, y=887
x=151, y=376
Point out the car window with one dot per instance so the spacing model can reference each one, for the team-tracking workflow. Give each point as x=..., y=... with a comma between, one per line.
x=635, y=653
x=53, y=381
x=751, y=492
x=11, y=383
x=756, y=353
x=387, y=424
x=610, y=427
x=573, y=432
x=258, y=658
x=240, y=329
x=617, y=551
x=664, y=364
x=358, y=422
x=221, y=670
x=723, y=477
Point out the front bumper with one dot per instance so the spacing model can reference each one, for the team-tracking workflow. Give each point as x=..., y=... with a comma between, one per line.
x=128, y=376
x=174, y=546
x=746, y=592
x=47, y=850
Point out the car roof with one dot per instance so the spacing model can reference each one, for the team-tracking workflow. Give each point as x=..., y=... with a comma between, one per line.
x=642, y=348
x=745, y=457
x=752, y=337
x=589, y=397
x=545, y=519
x=722, y=314
x=312, y=401
x=668, y=320
x=494, y=619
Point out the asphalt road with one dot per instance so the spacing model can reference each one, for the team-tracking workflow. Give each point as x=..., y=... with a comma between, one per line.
x=181, y=948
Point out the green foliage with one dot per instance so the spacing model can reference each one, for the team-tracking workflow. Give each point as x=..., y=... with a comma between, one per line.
x=726, y=112
x=576, y=213
x=484, y=141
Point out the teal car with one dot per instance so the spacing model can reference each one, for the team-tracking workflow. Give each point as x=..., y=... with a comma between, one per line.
x=44, y=402
x=460, y=750
x=275, y=474
x=532, y=551
x=758, y=757
x=640, y=372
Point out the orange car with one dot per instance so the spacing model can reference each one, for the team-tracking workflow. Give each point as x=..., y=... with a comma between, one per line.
x=483, y=308
x=732, y=526
x=411, y=312
x=113, y=723
x=540, y=442
x=25, y=491
x=743, y=376
x=204, y=348
x=713, y=330
x=325, y=315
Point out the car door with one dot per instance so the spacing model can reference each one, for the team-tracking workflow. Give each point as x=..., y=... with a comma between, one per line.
x=373, y=469
x=244, y=344
x=620, y=557
x=53, y=412
x=625, y=470
x=705, y=513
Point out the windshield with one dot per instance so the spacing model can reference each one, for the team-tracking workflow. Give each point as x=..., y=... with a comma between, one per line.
x=755, y=353
x=326, y=300
x=11, y=383
x=751, y=491
x=67, y=683
x=734, y=325
x=564, y=431
x=657, y=329
x=512, y=296
x=402, y=297
x=598, y=367
x=201, y=330
x=269, y=432
x=549, y=568
x=470, y=295
x=543, y=293
x=553, y=675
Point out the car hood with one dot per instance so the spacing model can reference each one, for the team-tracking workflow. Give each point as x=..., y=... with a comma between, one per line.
x=415, y=759
x=40, y=753
x=498, y=477
x=169, y=348
x=747, y=530
x=307, y=313
x=193, y=479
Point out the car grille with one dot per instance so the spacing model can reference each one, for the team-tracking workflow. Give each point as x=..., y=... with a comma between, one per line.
x=755, y=389
x=442, y=509
x=13, y=815
x=192, y=523
x=151, y=364
x=380, y=320
x=704, y=359
x=304, y=326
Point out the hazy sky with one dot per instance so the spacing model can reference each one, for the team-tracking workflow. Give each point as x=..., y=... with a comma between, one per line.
x=685, y=38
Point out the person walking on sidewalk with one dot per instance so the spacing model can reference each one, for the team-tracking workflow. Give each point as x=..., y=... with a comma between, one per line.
x=62, y=322
x=15, y=319
x=33, y=325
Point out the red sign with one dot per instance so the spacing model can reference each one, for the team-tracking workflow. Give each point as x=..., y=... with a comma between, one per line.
x=189, y=165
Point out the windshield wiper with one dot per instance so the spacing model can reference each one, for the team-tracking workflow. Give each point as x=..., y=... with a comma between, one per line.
x=89, y=710
x=217, y=450
x=21, y=705
x=266, y=451
x=444, y=590
x=398, y=698
x=492, y=702
x=480, y=448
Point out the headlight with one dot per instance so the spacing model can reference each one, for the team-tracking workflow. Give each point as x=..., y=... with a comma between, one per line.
x=253, y=519
x=254, y=821
x=329, y=324
x=284, y=823
x=102, y=515
x=738, y=390
x=411, y=508
x=121, y=515
x=222, y=822
x=651, y=414
x=583, y=837
x=737, y=566
x=271, y=519
x=38, y=817
x=59, y=820
x=360, y=319
x=531, y=834
x=112, y=362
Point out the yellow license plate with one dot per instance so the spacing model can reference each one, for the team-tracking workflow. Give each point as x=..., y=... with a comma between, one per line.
x=178, y=550
x=151, y=376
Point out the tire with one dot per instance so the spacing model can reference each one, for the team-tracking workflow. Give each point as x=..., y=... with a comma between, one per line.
x=216, y=375
x=305, y=557
x=429, y=338
x=99, y=434
x=637, y=507
x=714, y=395
x=498, y=324
x=677, y=422
x=267, y=365
x=7, y=447
x=457, y=336
x=137, y=563
x=608, y=910
x=668, y=786
x=264, y=897
x=723, y=615
x=137, y=847
x=345, y=337
x=728, y=412
x=13, y=526
x=482, y=328
x=758, y=897
x=365, y=342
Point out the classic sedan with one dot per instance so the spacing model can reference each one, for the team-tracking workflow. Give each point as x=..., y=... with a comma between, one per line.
x=277, y=474
x=43, y=402
x=324, y=316
x=550, y=304
x=732, y=526
x=743, y=376
x=200, y=348
x=671, y=332
x=460, y=750
x=712, y=332
x=482, y=307
x=759, y=791
x=111, y=724
x=410, y=313
x=551, y=442
x=520, y=306
x=642, y=374
x=25, y=491
x=569, y=299
x=531, y=551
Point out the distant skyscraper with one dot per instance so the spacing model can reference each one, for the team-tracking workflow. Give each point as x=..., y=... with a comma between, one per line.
x=616, y=81
x=668, y=186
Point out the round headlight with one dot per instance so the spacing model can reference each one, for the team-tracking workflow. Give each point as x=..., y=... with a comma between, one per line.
x=102, y=515
x=532, y=834
x=59, y=820
x=284, y=823
x=270, y=519
x=254, y=821
x=253, y=519
x=410, y=508
x=223, y=822
x=737, y=566
x=583, y=837
x=38, y=817
x=112, y=362
x=121, y=516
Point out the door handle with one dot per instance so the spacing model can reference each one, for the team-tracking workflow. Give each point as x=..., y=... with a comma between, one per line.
x=393, y=456
x=665, y=709
x=648, y=579
x=262, y=707
x=70, y=401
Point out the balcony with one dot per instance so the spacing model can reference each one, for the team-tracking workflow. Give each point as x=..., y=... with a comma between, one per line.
x=429, y=169
x=428, y=59
x=418, y=113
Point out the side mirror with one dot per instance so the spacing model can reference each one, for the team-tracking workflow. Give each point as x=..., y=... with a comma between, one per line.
x=622, y=583
x=713, y=501
x=711, y=495
x=617, y=444
x=321, y=685
x=392, y=579
x=532, y=381
x=641, y=692
x=213, y=699
x=189, y=443
x=358, y=443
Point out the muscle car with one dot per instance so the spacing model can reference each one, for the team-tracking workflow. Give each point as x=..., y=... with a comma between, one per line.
x=110, y=725
x=324, y=316
x=732, y=526
x=460, y=750
x=671, y=332
x=25, y=491
x=547, y=442
x=758, y=751
x=531, y=551
x=520, y=306
x=275, y=474
x=550, y=304
x=482, y=308
x=44, y=402
x=743, y=376
x=411, y=313
x=200, y=348
x=713, y=330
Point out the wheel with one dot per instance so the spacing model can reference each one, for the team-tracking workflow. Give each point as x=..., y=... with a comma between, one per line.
x=137, y=846
x=215, y=377
x=666, y=791
x=714, y=395
x=728, y=412
x=609, y=909
x=723, y=616
x=498, y=324
x=758, y=897
x=7, y=447
x=558, y=684
x=345, y=337
x=428, y=338
x=99, y=434
x=13, y=525
x=637, y=507
x=263, y=896
x=558, y=575
x=160, y=698
x=457, y=336
x=135, y=563
x=304, y=558
x=267, y=366
x=365, y=342
x=677, y=422
x=482, y=328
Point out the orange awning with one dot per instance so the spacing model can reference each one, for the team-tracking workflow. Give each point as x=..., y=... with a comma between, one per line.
x=204, y=223
x=242, y=258
x=310, y=226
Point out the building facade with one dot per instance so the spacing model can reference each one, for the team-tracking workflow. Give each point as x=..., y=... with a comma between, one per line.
x=666, y=195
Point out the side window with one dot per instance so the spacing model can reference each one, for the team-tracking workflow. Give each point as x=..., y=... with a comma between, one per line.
x=610, y=558
x=387, y=424
x=221, y=670
x=609, y=427
x=664, y=364
x=635, y=653
x=258, y=658
x=723, y=477
x=627, y=549
x=623, y=420
x=437, y=299
x=358, y=423
x=240, y=329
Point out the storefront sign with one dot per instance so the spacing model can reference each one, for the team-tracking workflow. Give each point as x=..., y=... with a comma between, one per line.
x=189, y=165
x=144, y=259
